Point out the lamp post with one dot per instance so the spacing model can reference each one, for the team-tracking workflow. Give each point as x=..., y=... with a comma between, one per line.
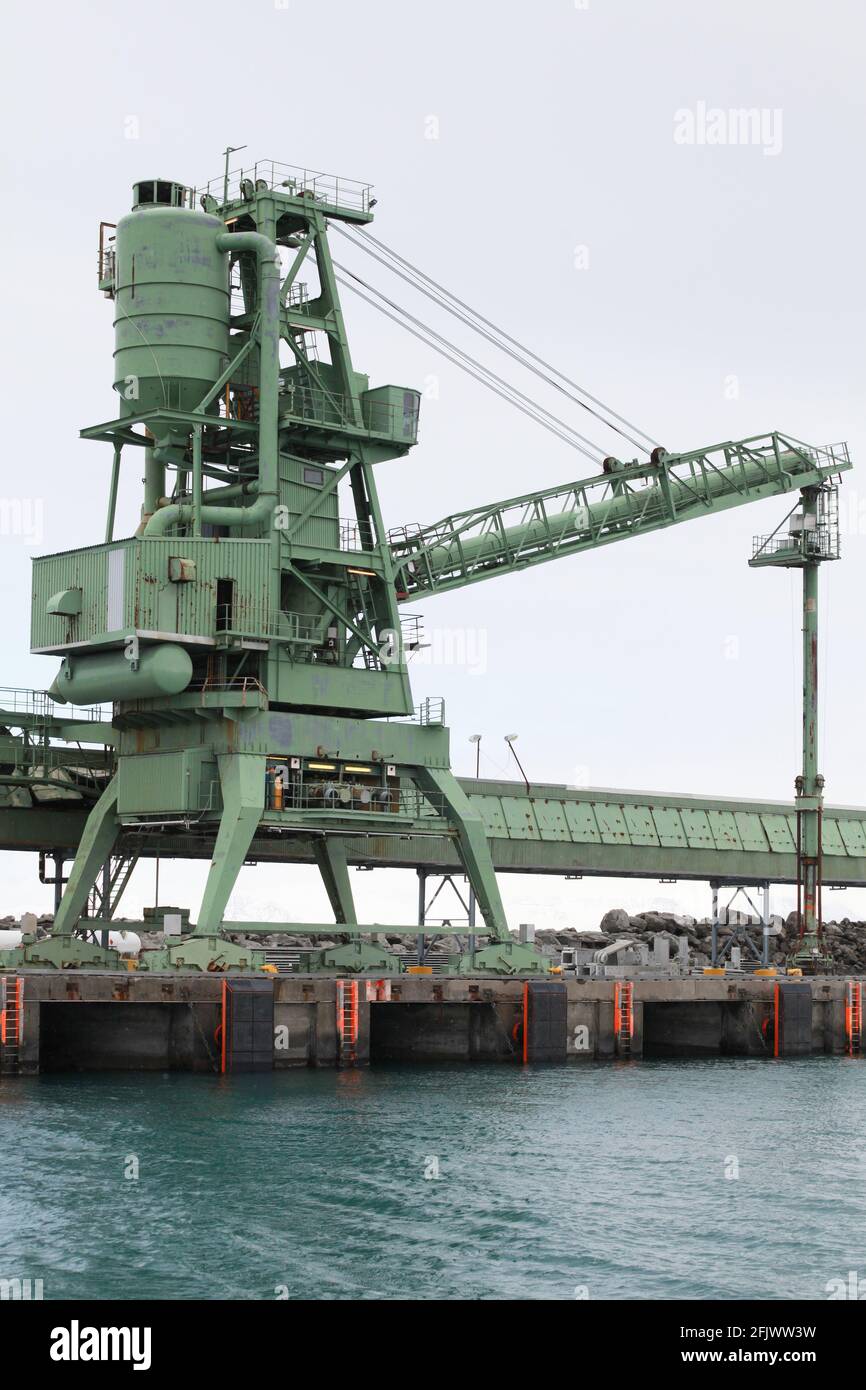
x=509, y=739
x=476, y=739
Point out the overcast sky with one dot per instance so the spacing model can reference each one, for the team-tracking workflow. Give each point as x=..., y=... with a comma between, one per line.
x=564, y=168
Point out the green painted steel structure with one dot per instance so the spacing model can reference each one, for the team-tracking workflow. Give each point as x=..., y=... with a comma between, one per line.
x=748, y=841
x=249, y=634
x=549, y=829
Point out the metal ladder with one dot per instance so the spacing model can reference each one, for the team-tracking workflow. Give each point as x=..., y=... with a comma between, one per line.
x=11, y=1018
x=347, y=1020
x=120, y=872
x=854, y=1017
x=623, y=1016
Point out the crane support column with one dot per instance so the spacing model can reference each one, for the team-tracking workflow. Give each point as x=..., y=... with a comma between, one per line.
x=473, y=847
x=242, y=781
x=96, y=845
x=810, y=785
x=812, y=537
x=330, y=856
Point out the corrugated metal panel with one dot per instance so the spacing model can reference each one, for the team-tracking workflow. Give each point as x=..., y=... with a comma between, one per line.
x=491, y=813
x=853, y=835
x=639, y=823
x=833, y=842
x=697, y=828
x=86, y=570
x=149, y=785
x=724, y=828
x=519, y=819
x=190, y=608
x=318, y=531
x=751, y=831
x=322, y=528
x=581, y=823
x=779, y=835
x=550, y=819
x=669, y=827
x=611, y=823
x=153, y=783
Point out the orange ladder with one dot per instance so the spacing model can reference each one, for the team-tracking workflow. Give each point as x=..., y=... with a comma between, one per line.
x=11, y=1019
x=347, y=1020
x=623, y=1016
x=854, y=1017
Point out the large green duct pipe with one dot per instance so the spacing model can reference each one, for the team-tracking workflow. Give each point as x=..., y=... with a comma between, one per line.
x=649, y=505
x=103, y=677
x=261, y=511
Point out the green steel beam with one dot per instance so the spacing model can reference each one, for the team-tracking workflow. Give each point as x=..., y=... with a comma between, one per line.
x=623, y=501
x=554, y=830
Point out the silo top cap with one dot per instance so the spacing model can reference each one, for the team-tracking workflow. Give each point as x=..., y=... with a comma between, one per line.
x=158, y=193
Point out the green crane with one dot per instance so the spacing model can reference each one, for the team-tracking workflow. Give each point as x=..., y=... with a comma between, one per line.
x=248, y=634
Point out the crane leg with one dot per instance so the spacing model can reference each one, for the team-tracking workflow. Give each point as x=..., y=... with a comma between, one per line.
x=473, y=846
x=242, y=783
x=96, y=845
x=331, y=859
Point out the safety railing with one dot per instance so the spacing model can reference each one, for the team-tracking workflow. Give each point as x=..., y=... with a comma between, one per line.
x=256, y=623
x=347, y=797
x=300, y=627
x=821, y=544
x=351, y=537
x=25, y=701
x=411, y=631
x=829, y=455
x=430, y=711
x=404, y=535
x=15, y=700
x=313, y=405
x=332, y=190
x=298, y=297
x=248, y=687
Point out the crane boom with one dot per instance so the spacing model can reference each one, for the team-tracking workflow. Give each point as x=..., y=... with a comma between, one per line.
x=626, y=499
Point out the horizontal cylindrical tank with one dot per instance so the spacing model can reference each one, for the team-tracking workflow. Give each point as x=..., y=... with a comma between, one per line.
x=171, y=299
x=100, y=677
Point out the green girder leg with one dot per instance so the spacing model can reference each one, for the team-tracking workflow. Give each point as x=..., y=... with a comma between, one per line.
x=242, y=782
x=331, y=858
x=96, y=845
x=473, y=847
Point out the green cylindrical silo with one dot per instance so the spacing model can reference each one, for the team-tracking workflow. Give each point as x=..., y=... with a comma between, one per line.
x=171, y=301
